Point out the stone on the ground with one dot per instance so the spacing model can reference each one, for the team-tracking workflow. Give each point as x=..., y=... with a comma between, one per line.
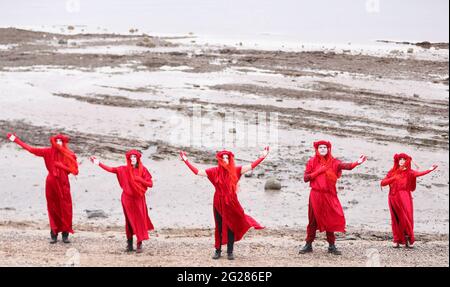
x=98, y=213
x=272, y=184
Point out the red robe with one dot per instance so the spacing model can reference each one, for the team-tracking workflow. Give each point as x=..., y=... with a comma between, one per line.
x=137, y=221
x=57, y=188
x=324, y=203
x=227, y=205
x=401, y=203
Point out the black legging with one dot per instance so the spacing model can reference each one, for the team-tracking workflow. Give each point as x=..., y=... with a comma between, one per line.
x=230, y=243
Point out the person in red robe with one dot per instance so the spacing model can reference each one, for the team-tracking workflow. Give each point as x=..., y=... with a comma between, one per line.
x=60, y=161
x=231, y=222
x=134, y=179
x=325, y=212
x=402, y=182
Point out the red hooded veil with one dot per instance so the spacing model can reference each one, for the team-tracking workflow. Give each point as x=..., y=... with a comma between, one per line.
x=63, y=154
x=400, y=199
x=137, y=187
x=225, y=178
x=405, y=171
x=134, y=202
x=60, y=161
x=324, y=205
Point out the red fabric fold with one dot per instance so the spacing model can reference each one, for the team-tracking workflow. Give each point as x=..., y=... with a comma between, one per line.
x=225, y=178
x=137, y=220
x=326, y=213
x=402, y=182
x=60, y=161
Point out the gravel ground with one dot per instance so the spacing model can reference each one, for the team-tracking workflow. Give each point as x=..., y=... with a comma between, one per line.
x=27, y=245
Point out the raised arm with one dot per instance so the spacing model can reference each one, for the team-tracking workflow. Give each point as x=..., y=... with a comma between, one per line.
x=422, y=173
x=352, y=165
x=95, y=161
x=33, y=150
x=254, y=164
x=195, y=170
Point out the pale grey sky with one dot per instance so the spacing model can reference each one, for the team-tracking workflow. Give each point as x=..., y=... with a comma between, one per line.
x=313, y=20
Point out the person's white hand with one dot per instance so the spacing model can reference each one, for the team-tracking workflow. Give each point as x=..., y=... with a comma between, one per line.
x=361, y=159
x=94, y=160
x=433, y=167
x=12, y=138
x=265, y=152
x=183, y=156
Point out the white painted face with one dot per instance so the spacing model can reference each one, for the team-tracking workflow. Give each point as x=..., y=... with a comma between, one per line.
x=133, y=159
x=226, y=159
x=401, y=162
x=59, y=142
x=323, y=150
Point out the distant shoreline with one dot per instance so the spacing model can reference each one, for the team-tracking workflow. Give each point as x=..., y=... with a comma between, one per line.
x=424, y=44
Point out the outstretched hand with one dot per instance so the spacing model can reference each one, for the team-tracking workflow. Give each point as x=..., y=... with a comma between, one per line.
x=433, y=167
x=195, y=170
x=11, y=137
x=183, y=156
x=94, y=160
x=265, y=152
x=361, y=159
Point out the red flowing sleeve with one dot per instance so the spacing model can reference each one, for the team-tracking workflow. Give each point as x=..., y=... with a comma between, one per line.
x=65, y=168
x=147, y=179
x=389, y=179
x=34, y=150
x=421, y=173
x=347, y=165
x=308, y=170
x=108, y=168
x=239, y=171
x=212, y=174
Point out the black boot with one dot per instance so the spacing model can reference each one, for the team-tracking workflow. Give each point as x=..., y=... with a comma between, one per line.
x=130, y=245
x=306, y=249
x=65, y=237
x=217, y=254
x=333, y=250
x=54, y=237
x=230, y=245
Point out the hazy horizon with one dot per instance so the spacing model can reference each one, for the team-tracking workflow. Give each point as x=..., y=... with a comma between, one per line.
x=321, y=20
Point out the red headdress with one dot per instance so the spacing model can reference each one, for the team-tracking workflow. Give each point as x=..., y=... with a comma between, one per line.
x=66, y=155
x=397, y=169
x=136, y=186
x=227, y=172
x=397, y=157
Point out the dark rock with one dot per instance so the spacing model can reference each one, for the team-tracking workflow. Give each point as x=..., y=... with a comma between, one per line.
x=272, y=184
x=98, y=213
